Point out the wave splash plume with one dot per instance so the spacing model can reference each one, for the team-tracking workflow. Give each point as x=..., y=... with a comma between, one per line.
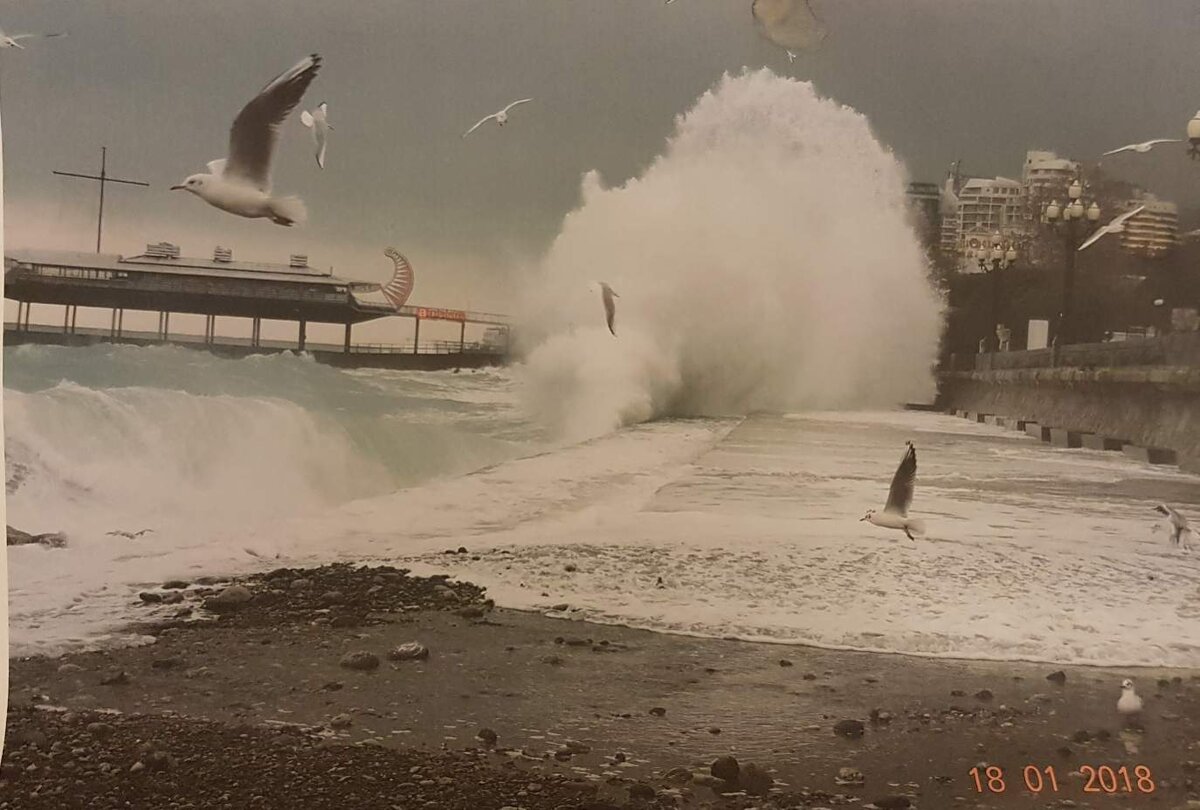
x=765, y=261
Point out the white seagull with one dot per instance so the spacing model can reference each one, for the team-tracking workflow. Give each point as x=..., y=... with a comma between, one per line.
x=500, y=118
x=318, y=122
x=1116, y=226
x=1177, y=524
x=895, y=514
x=14, y=40
x=241, y=183
x=610, y=306
x=1129, y=703
x=1143, y=147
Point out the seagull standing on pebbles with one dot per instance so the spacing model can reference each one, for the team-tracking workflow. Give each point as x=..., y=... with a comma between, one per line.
x=318, y=122
x=241, y=183
x=1129, y=705
x=1142, y=148
x=1116, y=226
x=14, y=40
x=895, y=513
x=501, y=118
x=1176, y=523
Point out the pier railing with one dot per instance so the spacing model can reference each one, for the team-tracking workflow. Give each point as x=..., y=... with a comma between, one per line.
x=94, y=335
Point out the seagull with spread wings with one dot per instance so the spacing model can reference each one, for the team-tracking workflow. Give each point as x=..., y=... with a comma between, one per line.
x=241, y=183
x=14, y=40
x=501, y=118
x=895, y=513
x=1116, y=226
x=1143, y=147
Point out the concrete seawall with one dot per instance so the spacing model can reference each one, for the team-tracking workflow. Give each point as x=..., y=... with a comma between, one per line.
x=1153, y=408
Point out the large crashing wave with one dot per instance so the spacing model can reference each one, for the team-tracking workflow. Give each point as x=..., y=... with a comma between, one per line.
x=766, y=261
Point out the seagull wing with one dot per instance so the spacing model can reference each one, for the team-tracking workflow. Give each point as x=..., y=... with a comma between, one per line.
x=480, y=123
x=515, y=103
x=1157, y=141
x=1094, y=238
x=16, y=37
x=901, y=494
x=1125, y=148
x=256, y=128
x=306, y=118
x=217, y=167
x=1120, y=221
x=319, y=134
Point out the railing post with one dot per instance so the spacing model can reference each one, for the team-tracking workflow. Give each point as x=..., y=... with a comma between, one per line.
x=416, y=334
x=462, y=337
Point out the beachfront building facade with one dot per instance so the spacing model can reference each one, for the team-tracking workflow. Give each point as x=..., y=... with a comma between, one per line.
x=1154, y=232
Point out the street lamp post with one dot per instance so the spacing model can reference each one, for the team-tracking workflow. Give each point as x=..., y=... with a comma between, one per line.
x=992, y=262
x=1066, y=219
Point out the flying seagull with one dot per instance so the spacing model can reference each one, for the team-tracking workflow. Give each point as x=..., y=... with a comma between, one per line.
x=14, y=40
x=1129, y=704
x=1177, y=523
x=1143, y=147
x=501, y=117
x=241, y=183
x=1116, y=226
x=895, y=514
x=318, y=122
x=610, y=307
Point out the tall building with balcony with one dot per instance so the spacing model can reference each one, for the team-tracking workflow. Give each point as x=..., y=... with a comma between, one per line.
x=1153, y=232
x=1045, y=177
x=987, y=206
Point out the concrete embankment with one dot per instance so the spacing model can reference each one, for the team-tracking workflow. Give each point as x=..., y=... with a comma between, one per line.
x=1151, y=411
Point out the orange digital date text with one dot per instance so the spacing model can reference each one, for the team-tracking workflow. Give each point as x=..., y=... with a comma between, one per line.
x=1102, y=779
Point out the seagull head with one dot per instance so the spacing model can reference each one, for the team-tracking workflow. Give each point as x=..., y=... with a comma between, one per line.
x=1127, y=685
x=1161, y=509
x=193, y=183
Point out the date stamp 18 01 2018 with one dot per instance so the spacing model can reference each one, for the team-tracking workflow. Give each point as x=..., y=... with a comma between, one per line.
x=1038, y=780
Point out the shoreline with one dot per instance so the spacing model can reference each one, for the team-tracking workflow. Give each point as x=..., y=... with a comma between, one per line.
x=643, y=704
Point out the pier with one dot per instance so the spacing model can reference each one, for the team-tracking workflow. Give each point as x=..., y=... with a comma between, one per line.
x=160, y=281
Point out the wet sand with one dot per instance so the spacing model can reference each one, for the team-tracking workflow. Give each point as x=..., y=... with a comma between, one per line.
x=633, y=704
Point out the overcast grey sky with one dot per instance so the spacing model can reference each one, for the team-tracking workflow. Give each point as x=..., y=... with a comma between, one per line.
x=159, y=82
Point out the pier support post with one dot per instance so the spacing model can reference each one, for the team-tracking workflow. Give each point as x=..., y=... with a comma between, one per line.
x=66, y=318
x=346, y=345
x=255, y=332
x=416, y=334
x=74, y=312
x=166, y=326
x=462, y=337
x=210, y=328
x=303, y=324
x=112, y=327
x=120, y=321
x=28, y=306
